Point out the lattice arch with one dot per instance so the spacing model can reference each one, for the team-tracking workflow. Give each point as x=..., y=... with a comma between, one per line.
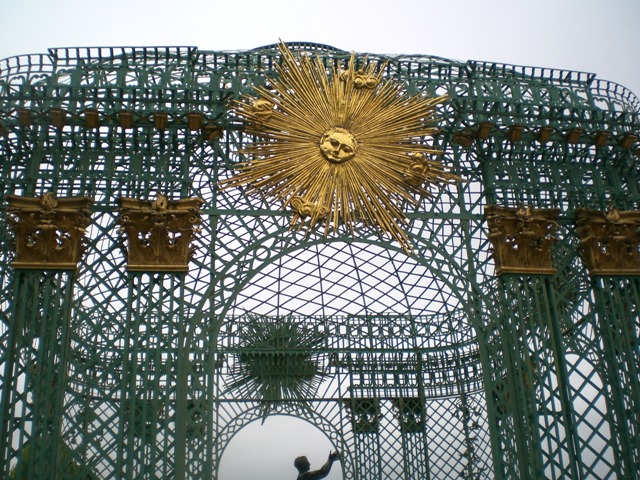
x=349, y=291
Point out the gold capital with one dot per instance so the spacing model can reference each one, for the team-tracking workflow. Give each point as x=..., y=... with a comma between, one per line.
x=49, y=230
x=159, y=232
x=522, y=238
x=609, y=240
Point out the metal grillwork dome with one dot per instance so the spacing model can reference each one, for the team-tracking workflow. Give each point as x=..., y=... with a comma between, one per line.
x=149, y=315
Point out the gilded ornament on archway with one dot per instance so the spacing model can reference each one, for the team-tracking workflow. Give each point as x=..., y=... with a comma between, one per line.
x=339, y=147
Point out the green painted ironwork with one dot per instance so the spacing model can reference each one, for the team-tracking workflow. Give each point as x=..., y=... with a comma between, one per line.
x=414, y=366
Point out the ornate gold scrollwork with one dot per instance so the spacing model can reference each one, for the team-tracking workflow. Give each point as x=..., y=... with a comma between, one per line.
x=159, y=233
x=262, y=109
x=49, y=230
x=417, y=172
x=361, y=78
x=609, y=240
x=522, y=238
x=308, y=209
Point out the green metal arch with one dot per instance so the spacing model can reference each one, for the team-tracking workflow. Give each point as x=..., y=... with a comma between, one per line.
x=424, y=261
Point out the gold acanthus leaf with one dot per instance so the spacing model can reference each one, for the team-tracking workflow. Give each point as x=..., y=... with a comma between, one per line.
x=339, y=147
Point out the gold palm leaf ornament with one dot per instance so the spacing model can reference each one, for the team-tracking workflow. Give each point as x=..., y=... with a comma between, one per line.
x=339, y=147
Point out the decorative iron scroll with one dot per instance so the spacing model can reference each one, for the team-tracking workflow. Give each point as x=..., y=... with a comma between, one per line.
x=49, y=230
x=159, y=233
x=365, y=414
x=610, y=240
x=522, y=238
x=410, y=413
x=196, y=417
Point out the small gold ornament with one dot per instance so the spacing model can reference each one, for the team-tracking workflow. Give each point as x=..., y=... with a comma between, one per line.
x=307, y=209
x=340, y=147
x=262, y=109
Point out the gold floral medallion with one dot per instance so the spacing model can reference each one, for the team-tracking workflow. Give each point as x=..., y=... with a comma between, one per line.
x=339, y=147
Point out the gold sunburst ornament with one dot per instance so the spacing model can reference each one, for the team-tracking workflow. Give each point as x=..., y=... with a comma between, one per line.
x=339, y=148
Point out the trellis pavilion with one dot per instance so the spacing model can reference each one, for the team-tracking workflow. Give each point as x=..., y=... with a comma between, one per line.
x=435, y=263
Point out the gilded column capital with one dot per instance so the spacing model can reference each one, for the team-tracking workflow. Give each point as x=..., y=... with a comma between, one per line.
x=522, y=238
x=49, y=231
x=159, y=232
x=609, y=240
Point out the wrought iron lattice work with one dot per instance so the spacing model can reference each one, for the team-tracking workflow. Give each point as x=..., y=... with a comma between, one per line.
x=420, y=365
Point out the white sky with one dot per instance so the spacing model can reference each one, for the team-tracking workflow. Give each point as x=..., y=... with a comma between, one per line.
x=267, y=452
x=602, y=37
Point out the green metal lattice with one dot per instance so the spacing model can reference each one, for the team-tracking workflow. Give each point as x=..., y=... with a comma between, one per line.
x=414, y=366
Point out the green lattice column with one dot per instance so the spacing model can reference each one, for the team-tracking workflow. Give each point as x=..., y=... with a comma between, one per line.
x=544, y=423
x=411, y=417
x=616, y=303
x=35, y=375
x=557, y=420
x=611, y=251
x=157, y=418
x=48, y=236
x=514, y=392
x=365, y=419
x=149, y=376
x=531, y=401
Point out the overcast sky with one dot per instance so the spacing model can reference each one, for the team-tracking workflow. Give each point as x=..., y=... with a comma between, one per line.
x=602, y=37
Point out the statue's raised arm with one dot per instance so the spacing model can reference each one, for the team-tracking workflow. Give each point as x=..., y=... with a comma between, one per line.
x=303, y=466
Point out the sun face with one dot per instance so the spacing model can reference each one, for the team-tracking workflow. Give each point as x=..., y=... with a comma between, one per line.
x=339, y=147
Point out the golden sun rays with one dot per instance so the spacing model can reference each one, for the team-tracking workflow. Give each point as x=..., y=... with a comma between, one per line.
x=339, y=148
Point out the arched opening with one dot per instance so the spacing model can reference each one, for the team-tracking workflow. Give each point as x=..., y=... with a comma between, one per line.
x=393, y=355
x=267, y=450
